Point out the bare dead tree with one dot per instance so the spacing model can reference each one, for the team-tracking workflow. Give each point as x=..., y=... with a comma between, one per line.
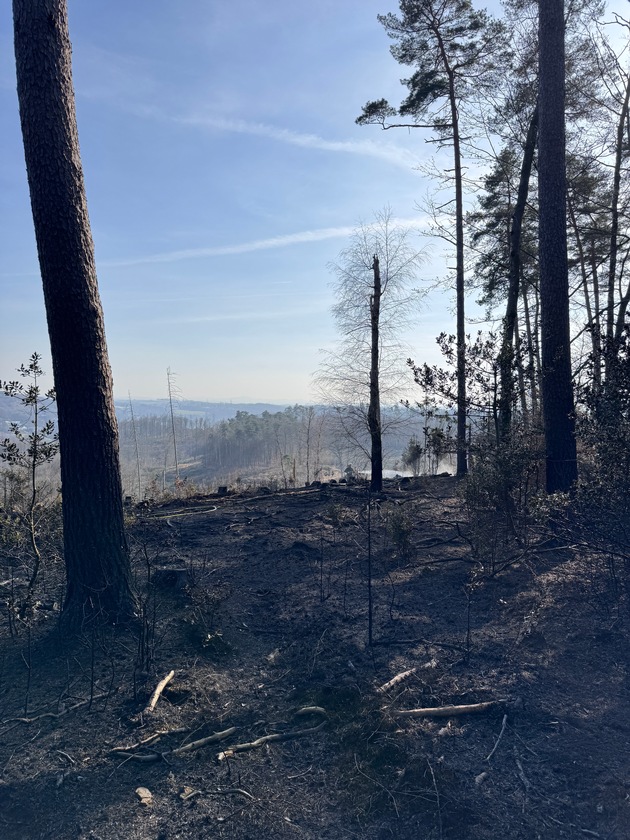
x=374, y=302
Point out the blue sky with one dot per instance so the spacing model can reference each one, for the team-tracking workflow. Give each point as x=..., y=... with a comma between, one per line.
x=224, y=172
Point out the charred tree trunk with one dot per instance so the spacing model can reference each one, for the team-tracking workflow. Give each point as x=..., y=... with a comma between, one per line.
x=95, y=546
x=374, y=408
x=462, y=455
x=533, y=368
x=611, y=332
x=557, y=386
x=594, y=333
x=506, y=358
x=460, y=302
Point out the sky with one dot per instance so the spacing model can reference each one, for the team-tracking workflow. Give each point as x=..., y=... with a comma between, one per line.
x=224, y=173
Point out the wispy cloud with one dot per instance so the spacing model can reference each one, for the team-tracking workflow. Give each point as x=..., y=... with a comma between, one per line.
x=282, y=241
x=240, y=248
x=245, y=316
x=385, y=151
x=389, y=152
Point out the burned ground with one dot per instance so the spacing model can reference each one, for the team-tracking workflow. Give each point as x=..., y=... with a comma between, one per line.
x=260, y=605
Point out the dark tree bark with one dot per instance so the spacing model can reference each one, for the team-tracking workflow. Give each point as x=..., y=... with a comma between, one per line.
x=533, y=365
x=374, y=408
x=460, y=300
x=449, y=44
x=557, y=386
x=95, y=546
x=611, y=328
x=506, y=357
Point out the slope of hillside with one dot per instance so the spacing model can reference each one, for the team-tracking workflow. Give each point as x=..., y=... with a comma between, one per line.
x=260, y=605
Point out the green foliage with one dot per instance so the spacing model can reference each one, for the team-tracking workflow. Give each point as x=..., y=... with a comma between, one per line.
x=399, y=525
x=439, y=442
x=490, y=229
x=454, y=48
x=439, y=384
x=412, y=455
x=41, y=444
x=500, y=495
x=602, y=498
x=26, y=452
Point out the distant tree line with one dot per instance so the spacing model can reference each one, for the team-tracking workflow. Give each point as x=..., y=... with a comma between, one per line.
x=297, y=445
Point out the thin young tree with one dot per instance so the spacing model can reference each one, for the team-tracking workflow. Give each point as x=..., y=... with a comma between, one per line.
x=30, y=451
x=453, y=49
x=557, y=385
x=95, y=546
x=172, y=394
x=374, y=301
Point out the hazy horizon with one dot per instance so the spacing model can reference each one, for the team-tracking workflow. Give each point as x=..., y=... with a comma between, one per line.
x=224, y=172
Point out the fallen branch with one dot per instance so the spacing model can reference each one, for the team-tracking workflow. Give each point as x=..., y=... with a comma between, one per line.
x=494, y=749
x=450, y=711
x=395, y=680
x=157, y=693
x=202, y=742
x=233, y=790
x=129, y=755
x=55, y=715
x=521, y=773
x=266, y=739
x=146, y=742
x=311, y=710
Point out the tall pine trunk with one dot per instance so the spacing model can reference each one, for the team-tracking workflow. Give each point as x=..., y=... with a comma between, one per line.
x=557, y=386
x=95, y=547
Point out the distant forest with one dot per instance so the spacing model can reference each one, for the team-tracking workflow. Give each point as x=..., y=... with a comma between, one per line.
x=283, y=448
x=236, y=444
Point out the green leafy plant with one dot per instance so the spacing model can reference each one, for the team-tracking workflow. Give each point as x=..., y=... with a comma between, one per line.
x=412, y=456
x=30, y=450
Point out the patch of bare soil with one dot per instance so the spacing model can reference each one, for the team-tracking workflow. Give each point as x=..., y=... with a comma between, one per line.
x=260, y=605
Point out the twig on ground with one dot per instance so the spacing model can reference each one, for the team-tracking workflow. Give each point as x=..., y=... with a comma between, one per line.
x=202, y=742
x=129, y=755
x=151, y=739
x=17, y=749
x=55, y=715
x=379, y=784
x=450, y=711
x=494, y=749
x=234, y=790
x=265, y=739
x=311, y=710
x=526, y=783
x=395, y=680
x=437, y=798
x=158, y=692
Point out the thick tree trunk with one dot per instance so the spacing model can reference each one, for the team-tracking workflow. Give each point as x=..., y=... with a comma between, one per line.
x=557, y=386
x=374, y=408
x=95, y=547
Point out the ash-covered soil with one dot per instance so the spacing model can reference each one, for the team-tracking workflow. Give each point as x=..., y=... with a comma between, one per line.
x=261, y=604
